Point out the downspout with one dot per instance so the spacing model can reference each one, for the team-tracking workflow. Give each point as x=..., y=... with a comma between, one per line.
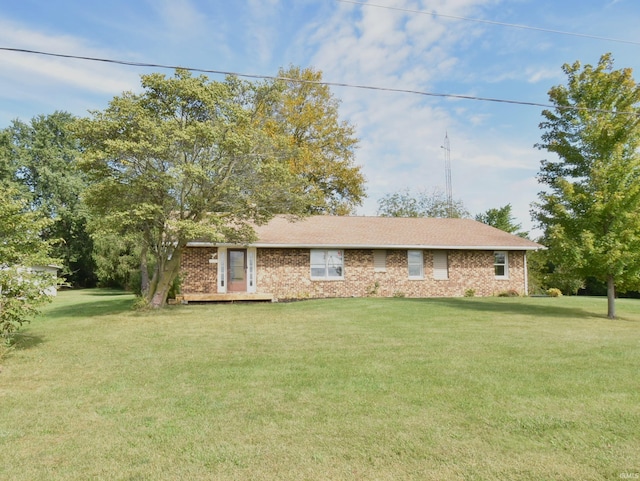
x=526, y=275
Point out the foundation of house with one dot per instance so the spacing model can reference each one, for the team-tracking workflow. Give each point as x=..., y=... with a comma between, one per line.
x=228, y=297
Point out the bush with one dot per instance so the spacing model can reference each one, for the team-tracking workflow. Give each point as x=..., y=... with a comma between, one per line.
x=509, y=293
x=470, y=293
x=554, y=292
x=373, y=289
x=22, y=292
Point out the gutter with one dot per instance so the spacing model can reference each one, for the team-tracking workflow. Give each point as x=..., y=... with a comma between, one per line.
x=369, y=246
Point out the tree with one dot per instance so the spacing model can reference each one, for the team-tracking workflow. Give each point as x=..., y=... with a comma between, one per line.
x=22, y=290
x=117, y=258
x=319, y=147
x=187, y=159
x=590, y=212
x=7, y=163
x=405, y=204
x=502, y=218
x=44, y=155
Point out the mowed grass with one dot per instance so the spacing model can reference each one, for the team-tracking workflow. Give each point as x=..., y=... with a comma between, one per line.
x=369, y=389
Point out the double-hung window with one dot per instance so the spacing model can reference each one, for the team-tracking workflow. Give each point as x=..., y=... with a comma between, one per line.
x=415, y=264
x=327, y=264
x=501, y=264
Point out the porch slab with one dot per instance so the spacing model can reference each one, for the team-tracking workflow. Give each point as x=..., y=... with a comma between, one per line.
x=229, y=297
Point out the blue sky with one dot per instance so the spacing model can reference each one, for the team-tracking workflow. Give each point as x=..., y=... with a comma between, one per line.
x=493, y=158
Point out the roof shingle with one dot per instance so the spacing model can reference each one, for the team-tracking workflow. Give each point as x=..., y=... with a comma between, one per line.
x=387, y=232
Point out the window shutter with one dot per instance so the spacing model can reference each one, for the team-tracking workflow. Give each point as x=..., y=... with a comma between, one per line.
x=440, y=265
x=379, y=261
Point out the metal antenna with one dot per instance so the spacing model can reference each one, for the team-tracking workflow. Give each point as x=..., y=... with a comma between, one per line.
x=447, y=170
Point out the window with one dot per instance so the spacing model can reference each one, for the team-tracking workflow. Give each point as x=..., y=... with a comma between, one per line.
x=501, y=264
x=379, y=261
x=440, y=265
x=414, y=261
x=327, y=264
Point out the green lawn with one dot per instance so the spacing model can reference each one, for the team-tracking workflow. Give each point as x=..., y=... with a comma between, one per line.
x=364, y=389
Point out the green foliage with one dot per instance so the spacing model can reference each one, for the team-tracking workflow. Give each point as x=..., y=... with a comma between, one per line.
x=554, y=292
x=509, y=293
x=469, y=293
x=22, y=293
x=20, y=230
x=405, y=204
x=8, y=164
x=176, y=287
x=373, y=289
x=590, y=208
x=22, y=290
x=318, y=145
x=44, y=159
x=502, y=218
x=543, y=274
x=117, y=259
x=190, y=158
x=141, y=304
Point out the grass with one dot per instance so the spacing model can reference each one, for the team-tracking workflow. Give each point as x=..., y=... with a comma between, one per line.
x=385, y=389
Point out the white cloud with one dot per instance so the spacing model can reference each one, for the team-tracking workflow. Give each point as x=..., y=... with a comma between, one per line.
x=402, y=134
x=261, y=29
x=180, y=17
x=42, y=71
x=541, y=73
x=77, y=74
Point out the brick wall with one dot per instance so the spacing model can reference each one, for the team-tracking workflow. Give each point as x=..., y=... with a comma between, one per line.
x=285, y=273
x=198, y=275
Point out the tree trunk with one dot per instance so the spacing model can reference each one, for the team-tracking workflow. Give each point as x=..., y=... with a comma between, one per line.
x=160, y=291
x=611, y=298
x=144, y=273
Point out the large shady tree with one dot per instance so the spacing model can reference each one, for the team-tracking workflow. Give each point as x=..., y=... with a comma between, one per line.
x=44, y=154
x=590, y=211
x=320, y=146
x=189, y=158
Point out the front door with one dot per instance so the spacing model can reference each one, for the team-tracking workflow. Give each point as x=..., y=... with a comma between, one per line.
x=237, y=270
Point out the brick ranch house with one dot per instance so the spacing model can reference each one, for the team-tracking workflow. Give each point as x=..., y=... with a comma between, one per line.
x=345, y=256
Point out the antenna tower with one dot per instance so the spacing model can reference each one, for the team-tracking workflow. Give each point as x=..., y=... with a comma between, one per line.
x=447, y=171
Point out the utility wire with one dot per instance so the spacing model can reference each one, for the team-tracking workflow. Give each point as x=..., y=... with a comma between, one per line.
x=316, y=82
x=491, y=22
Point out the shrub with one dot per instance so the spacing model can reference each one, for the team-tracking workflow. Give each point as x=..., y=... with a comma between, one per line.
x=141, y=303
x=176, y=287
x=470, y=293
x=554, y=292
x=399, y=294
x=509, y=293
x=373, y=289
x=22, y=292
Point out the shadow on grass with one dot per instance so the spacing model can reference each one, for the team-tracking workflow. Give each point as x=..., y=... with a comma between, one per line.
x=20, y=342
x=506, y=306
x=92, y=303
x=106, y=292
x=26, y=340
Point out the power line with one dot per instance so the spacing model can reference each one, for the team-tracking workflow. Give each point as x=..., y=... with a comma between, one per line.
x=330, y=84
x=492, y=22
